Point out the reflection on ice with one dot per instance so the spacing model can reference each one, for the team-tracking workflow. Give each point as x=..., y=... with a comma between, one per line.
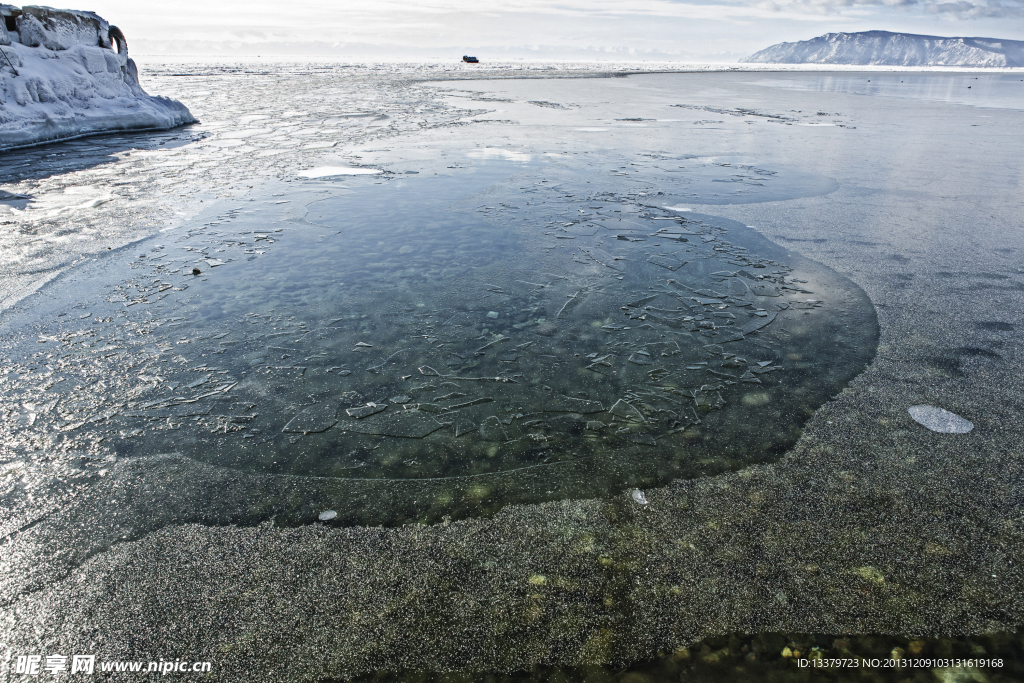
x=498, y=153
x=329, y=171
x=988, y=90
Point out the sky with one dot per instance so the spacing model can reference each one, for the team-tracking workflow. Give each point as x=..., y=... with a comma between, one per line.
x=686, y=30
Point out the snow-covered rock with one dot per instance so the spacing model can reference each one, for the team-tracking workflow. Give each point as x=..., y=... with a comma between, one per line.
x=894, y=49
x=65, y=74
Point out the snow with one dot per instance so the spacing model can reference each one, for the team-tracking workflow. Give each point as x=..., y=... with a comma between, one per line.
x=895, y=49
x=66, y=74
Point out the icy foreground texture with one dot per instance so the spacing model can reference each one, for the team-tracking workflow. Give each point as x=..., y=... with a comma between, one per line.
x=66, y=74
x=885, y=48
x=870, y=523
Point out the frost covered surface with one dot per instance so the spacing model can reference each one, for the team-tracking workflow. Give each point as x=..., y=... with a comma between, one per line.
x=62, y=76
x=895, y=49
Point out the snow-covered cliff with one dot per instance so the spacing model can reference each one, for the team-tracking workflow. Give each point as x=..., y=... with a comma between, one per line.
x=65, y=74
x=894, y=49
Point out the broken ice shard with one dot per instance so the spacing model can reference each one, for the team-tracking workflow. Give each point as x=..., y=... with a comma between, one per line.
x=312, y=420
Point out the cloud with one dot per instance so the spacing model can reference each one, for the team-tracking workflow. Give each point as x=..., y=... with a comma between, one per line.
x=714, y=30
x=961, y=9
x=982, y=10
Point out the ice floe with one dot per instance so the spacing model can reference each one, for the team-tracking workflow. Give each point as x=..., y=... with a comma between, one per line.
x=940, y=420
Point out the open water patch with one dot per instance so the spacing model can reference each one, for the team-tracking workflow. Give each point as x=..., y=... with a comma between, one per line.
x=415, y=348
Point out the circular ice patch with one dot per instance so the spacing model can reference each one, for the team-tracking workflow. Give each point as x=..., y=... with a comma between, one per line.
x=328, y=515
x=473, y=360
x=939, y=420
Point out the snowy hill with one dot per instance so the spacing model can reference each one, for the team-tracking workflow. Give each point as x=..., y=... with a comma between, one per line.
x=65, y=73
x=894, y=49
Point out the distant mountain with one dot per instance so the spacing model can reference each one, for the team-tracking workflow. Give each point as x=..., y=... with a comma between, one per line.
x=894, y=49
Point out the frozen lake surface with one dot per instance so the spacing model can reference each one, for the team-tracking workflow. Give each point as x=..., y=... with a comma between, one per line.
x=503, y=361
